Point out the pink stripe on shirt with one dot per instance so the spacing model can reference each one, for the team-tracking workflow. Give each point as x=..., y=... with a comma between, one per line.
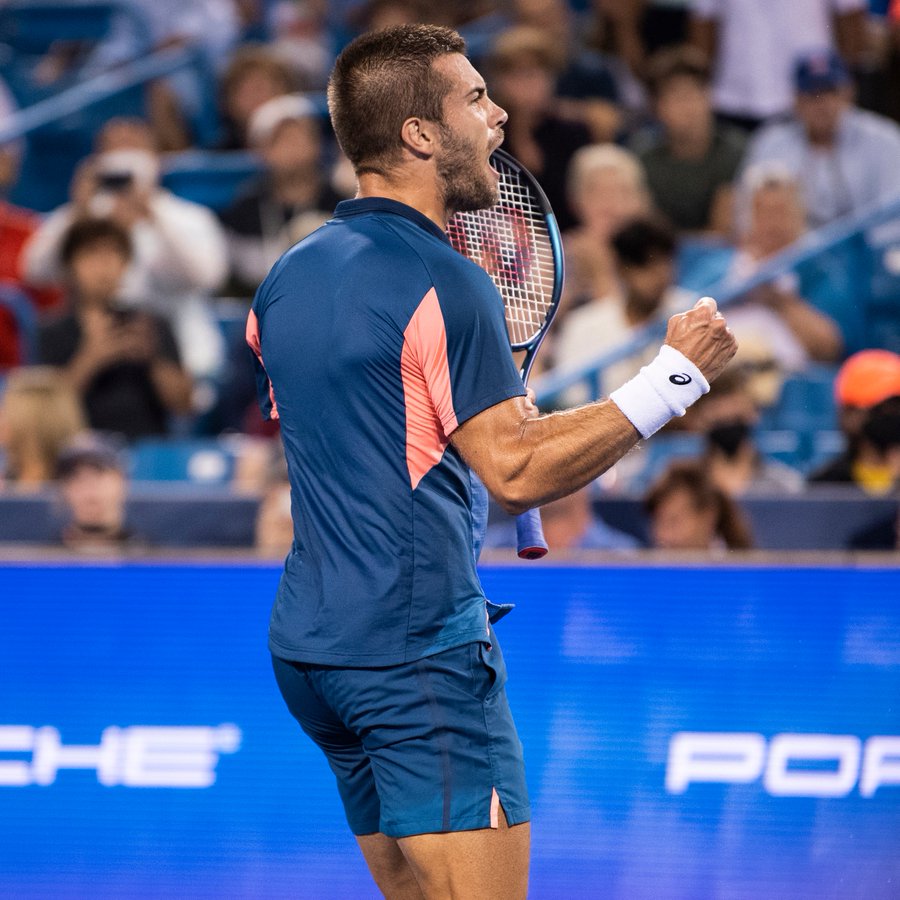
x=252, y=336
x=430, y=417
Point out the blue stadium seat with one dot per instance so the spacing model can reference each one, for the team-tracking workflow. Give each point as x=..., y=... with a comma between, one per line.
x=29, y=28
x=825, y=445
x=209, y=177
x=33, y=26
x=195, y=461
x=806, y=403
x=786, y=446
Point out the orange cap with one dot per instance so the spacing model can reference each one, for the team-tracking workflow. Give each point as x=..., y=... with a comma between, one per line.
x=867, y=378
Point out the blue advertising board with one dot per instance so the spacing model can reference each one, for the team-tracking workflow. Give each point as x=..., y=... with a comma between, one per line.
x=689, y=732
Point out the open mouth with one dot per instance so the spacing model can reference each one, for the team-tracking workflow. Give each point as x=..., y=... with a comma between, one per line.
x=490, y=164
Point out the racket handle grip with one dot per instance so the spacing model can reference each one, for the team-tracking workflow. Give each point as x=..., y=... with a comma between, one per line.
x=530, y=535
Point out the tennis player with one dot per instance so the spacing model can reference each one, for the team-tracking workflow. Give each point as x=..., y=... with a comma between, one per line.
x=384, y=353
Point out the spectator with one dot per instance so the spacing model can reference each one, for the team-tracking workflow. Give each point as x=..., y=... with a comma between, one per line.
x=254, y=76
x=39, y=414
x=753, y=47
x=569, y=524
x=876, y=467
x=644, y=252
x=843, y=157
x=17, y=225
x=179, y=247
x=727, y=418
x=94, y=489
x=290, y=200
x=299, y=36
x=614, y=29
x=690, y=160
x=865, y=380
x=142, y=26
x=606, y=188
x=524, y=64
x=617, y=30
x=664, y=23
x=588, y=88
x=688, y=512
x=10, y=152
x=891, y=73
x=784, y=321
x=123, y=362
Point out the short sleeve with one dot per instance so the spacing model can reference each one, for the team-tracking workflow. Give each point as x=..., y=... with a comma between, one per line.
x=265, y=393
x=481, y=368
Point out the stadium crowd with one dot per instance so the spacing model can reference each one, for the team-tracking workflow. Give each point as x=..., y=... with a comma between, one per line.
x=686, y=146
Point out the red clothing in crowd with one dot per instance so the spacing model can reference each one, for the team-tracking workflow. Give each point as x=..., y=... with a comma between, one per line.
x=16, y=226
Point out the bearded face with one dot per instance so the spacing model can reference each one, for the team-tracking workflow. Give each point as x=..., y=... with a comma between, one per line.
x=467, y=181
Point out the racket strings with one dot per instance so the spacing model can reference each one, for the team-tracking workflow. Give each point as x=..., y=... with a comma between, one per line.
x=511, y=242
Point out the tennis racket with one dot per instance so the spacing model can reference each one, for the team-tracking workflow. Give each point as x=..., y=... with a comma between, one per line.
x=517, y=242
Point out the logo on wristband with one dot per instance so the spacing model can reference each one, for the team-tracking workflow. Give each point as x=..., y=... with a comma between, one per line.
x=680, y=379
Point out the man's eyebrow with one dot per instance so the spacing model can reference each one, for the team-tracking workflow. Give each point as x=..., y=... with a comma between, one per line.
x=478, y=89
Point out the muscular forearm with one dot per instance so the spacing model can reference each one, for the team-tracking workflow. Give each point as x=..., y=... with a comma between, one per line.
x=556, y=454
x=526, y=460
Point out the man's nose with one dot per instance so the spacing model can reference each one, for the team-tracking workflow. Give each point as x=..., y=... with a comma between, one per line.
x=500, y=115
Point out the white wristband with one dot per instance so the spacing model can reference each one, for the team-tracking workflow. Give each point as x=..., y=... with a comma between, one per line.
x=663, y=389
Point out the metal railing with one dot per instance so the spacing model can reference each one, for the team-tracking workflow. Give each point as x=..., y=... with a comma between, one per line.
x=98, y=89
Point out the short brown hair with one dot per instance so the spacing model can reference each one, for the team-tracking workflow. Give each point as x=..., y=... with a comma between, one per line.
x=691, y=475
x=379, y=81
x=676, y=62
x=87, y=233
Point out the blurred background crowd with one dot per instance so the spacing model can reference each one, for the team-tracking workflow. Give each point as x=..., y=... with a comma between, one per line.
x=156, y=158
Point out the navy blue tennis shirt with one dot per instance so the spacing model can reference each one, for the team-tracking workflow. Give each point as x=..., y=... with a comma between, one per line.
x=374, y=340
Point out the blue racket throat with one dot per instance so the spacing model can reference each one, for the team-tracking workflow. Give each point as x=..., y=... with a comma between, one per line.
x=517, y=242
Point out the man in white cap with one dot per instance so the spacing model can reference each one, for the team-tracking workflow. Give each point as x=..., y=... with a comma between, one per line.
x=290, y=199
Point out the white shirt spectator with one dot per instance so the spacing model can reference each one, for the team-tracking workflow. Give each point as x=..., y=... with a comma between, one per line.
x=179, y=257
x=758, y=43
x=860, y=169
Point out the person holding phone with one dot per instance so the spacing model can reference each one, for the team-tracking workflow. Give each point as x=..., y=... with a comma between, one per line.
x=124, y=362
x=179, y=253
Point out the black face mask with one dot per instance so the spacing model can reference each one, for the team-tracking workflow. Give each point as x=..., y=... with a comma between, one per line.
x=729, y=437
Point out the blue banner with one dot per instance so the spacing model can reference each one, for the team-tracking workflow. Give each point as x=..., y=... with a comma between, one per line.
x=689, y=733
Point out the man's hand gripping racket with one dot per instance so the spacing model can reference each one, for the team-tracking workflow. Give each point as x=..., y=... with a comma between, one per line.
x=517, y=242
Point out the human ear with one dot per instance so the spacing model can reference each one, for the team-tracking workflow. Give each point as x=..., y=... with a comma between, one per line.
x=419, y=136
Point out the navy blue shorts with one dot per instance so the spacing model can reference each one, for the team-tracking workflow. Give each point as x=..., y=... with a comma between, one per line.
x=426, y=746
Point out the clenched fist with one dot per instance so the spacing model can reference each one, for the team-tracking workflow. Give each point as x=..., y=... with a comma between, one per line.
x=703, y=336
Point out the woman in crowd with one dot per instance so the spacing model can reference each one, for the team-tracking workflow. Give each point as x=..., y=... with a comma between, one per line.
x=688, y=512
x=39, y=414
x=606, y=188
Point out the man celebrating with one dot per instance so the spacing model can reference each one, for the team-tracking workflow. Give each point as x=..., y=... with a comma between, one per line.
x=384, y=354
